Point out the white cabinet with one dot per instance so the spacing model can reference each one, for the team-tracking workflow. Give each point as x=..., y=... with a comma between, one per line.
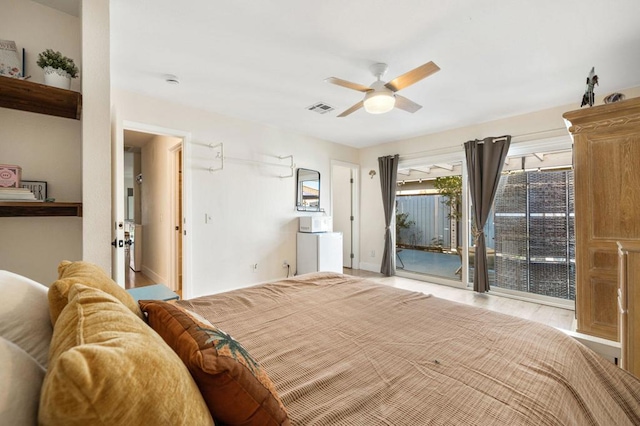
x=135, y=250
x=320, y=251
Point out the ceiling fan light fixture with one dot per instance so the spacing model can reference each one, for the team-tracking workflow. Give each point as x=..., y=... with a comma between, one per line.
x=379, y=102
x=381, y=97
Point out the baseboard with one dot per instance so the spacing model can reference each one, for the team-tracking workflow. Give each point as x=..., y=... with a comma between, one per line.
x=371, y=267
x=153, y=276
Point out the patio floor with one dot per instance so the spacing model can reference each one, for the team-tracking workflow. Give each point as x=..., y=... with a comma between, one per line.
x=428, y=262
x=433, y=263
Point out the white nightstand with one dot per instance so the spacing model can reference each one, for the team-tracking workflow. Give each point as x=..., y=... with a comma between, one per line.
x=153, y=292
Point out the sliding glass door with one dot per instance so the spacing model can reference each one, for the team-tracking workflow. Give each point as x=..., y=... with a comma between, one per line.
x=530, y=232
x=428, y=216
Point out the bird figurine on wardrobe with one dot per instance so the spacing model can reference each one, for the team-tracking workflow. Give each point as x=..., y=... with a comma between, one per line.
x=588, y=96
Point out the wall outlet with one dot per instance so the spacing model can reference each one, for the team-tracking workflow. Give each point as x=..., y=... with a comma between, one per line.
x=285, y=264
x=373, y=253
x=254, y=267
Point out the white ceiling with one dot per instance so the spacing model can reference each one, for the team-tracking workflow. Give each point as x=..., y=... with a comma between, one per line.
x=266, y=61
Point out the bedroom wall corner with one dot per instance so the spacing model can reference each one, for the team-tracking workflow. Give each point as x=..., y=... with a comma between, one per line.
x=245, y=214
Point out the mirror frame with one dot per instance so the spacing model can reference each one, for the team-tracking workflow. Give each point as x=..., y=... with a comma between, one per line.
x=300, y=198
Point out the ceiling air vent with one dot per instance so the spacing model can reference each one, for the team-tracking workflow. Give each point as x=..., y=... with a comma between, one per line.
x=320, y=108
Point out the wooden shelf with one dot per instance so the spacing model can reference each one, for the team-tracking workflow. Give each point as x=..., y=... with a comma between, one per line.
x=14, y=209
x=25, y=95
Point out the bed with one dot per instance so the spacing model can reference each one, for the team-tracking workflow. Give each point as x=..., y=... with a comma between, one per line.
x=342, y=350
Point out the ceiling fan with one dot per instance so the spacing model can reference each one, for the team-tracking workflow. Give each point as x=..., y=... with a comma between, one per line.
x=381, y=97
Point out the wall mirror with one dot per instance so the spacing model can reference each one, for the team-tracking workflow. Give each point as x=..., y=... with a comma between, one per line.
x=308, y=190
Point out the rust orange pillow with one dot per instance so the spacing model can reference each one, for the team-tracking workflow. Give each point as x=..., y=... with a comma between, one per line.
x=235, y=387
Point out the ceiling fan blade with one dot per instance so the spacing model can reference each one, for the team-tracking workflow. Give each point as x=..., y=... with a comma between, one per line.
x=352, y=109
x=413, y=76
x=348, y=84
x=406, y=104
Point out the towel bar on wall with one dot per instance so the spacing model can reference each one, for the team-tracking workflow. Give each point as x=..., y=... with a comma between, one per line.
x=222, y=158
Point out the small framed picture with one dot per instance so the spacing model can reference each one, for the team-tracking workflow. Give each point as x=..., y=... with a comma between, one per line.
x=39, y=188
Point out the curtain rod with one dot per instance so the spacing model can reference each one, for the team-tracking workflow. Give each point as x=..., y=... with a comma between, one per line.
x=496, y=139
x=526, y=135
x=452, y=148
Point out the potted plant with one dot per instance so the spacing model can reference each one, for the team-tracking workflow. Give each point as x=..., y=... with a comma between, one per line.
x=402, y=223
x=58, y=69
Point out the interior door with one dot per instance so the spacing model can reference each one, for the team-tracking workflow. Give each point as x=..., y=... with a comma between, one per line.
x=342, y=209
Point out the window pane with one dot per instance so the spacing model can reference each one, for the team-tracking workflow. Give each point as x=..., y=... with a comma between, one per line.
x=534, y=233
x=426, y=227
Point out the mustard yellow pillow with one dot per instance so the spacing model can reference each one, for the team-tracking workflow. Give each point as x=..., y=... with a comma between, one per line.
x=90, y=275
x=107, y=367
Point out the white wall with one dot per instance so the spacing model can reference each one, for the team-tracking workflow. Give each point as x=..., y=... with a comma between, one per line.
x=96, y=140
x=536, y=125
x=156, y=207
x=47, y=148
x=253, y=210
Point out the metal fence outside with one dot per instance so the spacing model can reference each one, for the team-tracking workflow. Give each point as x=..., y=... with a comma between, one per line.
x=534, y=233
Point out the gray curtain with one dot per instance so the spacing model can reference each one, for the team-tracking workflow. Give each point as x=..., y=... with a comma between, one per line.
x=388, y=173
x=484, y=165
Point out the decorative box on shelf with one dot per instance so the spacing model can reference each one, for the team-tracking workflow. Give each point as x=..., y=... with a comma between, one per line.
x=10, y=176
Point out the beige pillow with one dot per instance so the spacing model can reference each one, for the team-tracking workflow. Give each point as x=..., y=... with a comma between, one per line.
x=108, y=367
x=20, y=382
x=88, y=274
x=24, y=315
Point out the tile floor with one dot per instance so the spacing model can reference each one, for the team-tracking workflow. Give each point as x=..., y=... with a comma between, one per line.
x=555, y=317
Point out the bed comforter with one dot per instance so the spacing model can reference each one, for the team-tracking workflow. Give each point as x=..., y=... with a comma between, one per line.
x=344, y=350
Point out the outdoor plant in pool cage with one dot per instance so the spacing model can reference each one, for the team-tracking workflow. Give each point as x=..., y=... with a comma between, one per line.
x=450, y=187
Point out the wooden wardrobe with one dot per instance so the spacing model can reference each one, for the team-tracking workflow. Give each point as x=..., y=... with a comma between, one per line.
x=629, y=305
x=607, y=207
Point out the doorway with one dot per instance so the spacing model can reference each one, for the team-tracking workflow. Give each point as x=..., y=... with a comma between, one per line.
x=152, y=208
x=177, y=217
x=344, y=209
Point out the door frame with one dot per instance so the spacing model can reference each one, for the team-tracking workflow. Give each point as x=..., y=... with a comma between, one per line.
x=117, y=199
x=355, y=201
x=186, y=194
x=173, y=267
